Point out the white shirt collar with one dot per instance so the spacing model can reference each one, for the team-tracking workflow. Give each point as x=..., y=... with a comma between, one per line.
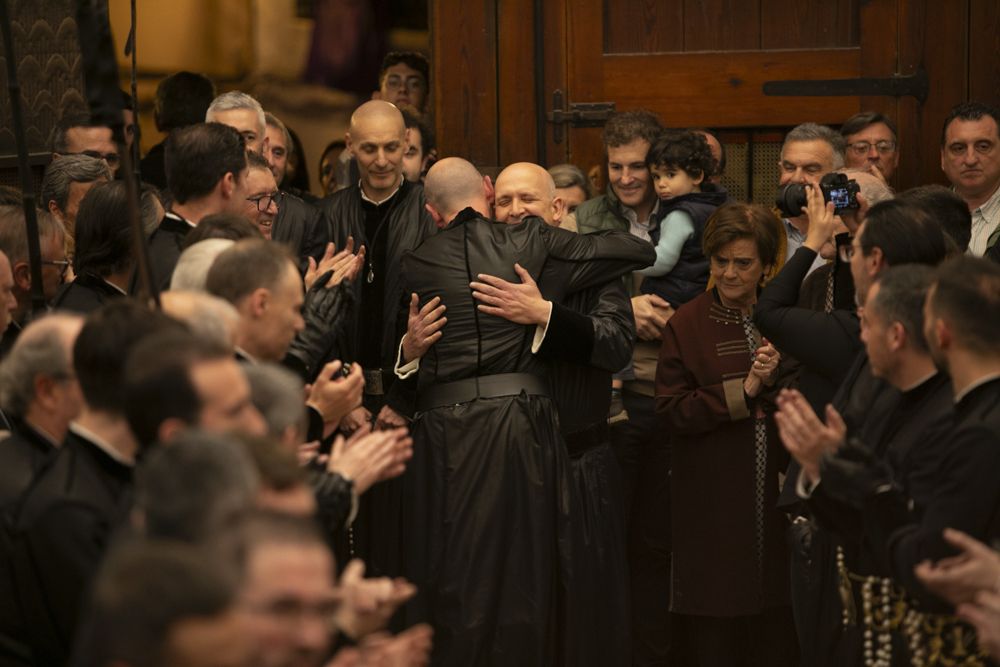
x=174, y=216
x=101, y=444
x=975, y=385
x=366, y=198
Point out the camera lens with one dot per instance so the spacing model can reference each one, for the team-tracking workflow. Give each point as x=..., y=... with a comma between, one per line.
x=790, y=199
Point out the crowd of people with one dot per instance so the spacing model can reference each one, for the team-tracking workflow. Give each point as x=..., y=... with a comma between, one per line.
x=433, y=418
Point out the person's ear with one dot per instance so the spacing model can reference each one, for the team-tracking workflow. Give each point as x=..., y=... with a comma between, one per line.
x=897, y=336
x=701, y=177
x=489, y=190
x=258, y=301
x=558, y=210
x=942, y=333
x=169, y=429
x=22, y=275
x=435, y=215
x=350, y=145
x=227, y=186
x=54, y=209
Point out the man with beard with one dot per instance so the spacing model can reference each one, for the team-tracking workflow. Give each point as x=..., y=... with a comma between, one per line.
x=487, y=509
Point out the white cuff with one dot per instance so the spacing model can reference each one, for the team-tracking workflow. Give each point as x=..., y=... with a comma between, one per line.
x=540, y=331
x=355, y=504
x=803, y=489
x=402, y=370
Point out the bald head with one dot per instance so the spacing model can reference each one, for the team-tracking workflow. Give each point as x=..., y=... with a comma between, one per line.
x=452, y=185
x=377, y=140
x=376, y=112
x=525, y=189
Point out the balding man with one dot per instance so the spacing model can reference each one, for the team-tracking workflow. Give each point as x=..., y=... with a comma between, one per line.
x=385, y=213
x=489, y=524
x=587, y=337
x=39, y=396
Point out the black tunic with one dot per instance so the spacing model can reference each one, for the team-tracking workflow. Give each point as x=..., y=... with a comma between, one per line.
x=590, y=335
x=488, y=493
x=85, y=294
x=60, y=534
x=165, y=248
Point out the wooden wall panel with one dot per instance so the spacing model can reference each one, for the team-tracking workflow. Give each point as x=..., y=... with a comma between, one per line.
x=880, y=54
x=643, y=26
x=984, y=51
x=464, y=51
x=924, y=26
x=809, y=25
x=721, y=25
x=724, y=98
x=517, y=135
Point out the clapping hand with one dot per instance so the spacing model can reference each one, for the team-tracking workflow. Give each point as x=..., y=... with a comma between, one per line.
x=805, y=437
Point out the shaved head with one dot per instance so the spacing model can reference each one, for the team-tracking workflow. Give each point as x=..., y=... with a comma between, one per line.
x=377, y=139
x=376, y=111
x=525, y=189
x=452, y=185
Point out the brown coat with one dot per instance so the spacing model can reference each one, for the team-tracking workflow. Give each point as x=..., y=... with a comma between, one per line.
x=699, y=395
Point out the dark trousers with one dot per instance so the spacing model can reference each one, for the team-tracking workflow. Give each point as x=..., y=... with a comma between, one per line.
x=761, y=640
x=642, y=451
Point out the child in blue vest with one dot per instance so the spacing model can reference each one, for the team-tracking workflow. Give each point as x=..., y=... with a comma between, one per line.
x=680, y=164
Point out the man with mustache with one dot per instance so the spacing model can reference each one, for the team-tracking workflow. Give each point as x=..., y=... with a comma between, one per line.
x=970, y=158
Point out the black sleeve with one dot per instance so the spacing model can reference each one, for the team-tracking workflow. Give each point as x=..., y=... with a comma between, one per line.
x=586, y=260
x=826, y=343
x=334, y=497
x=569, y=336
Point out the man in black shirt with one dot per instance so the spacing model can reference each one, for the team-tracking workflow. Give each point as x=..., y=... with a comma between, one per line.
x=206, y=173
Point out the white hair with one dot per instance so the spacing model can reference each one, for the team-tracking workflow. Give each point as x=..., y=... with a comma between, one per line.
x=236, y=99
x=192, y=267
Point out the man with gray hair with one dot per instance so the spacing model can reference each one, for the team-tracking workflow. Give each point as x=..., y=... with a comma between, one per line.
x=67, y=179
x=297, y=224
x=14, y=244
x=242, y=112
x=193, y=265
x=39, y=396
x=809, y=153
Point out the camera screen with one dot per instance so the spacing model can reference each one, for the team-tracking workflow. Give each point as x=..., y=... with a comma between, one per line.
x=840, y=197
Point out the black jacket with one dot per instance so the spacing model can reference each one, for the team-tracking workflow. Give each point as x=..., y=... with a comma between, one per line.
x=966, y=492
x=165, y=248
x=85, y=294
x=60, y=533
x=561, y=262
x=302, y=227
x=407, y=223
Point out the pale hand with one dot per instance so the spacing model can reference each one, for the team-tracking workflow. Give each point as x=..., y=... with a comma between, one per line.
x=423, y=327
x=805, y=437
x=521, y=303
x=651, y=314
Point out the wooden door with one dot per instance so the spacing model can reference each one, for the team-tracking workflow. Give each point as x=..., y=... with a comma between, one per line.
x=706, y=62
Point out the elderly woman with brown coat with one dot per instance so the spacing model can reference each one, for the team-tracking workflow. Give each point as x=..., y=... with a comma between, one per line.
x=714, y=384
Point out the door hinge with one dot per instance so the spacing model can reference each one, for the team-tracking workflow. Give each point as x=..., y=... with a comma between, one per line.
x=585, y=114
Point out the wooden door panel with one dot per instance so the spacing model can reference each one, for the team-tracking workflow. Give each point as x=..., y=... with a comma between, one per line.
x=725, y=89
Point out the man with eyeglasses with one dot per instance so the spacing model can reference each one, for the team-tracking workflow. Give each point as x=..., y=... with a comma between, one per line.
x=404, y=79
x=75, y=134
x=263, y=197
x=14, y=243
x=871, y=142
x=970, y=158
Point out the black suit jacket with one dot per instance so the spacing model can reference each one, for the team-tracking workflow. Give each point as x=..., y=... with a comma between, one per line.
x=165, y=248
x=85, y=294
x=303, y=227
x=60, y=533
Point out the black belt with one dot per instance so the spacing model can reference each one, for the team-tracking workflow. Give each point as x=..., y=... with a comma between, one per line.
x=484, y=386
x=582, y=441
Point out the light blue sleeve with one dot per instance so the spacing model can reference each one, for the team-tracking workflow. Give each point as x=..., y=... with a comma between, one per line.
x=675, y=229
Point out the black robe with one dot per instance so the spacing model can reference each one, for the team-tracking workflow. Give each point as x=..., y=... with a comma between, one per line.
x=22, y=456
x=591, y=335
x=85, y=294
x=165, y=248
x=60, y=533
x=488, y=500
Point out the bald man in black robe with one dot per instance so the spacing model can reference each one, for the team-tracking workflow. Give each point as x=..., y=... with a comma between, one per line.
x=488, y=493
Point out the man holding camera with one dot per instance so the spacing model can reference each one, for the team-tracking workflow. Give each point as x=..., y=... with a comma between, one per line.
x=810, y=152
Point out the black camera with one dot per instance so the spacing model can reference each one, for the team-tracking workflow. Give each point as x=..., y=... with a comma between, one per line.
x=839, y=189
